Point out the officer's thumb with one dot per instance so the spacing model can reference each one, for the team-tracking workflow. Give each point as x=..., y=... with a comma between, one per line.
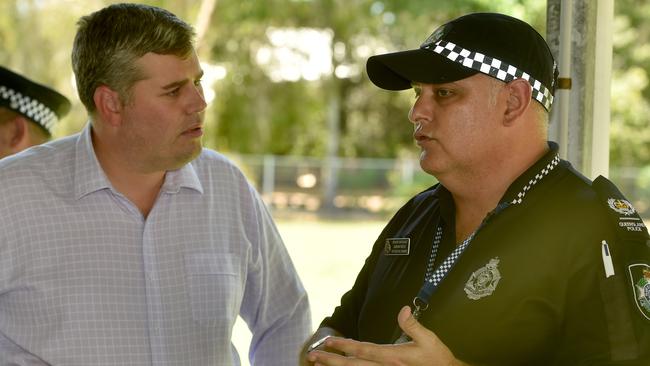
x=411, y=326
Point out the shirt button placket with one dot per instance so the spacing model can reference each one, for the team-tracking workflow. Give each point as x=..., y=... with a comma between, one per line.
x=152, y=285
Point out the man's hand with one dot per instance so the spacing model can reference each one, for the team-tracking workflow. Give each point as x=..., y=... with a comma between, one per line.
x=320, y=334
x=424, y=349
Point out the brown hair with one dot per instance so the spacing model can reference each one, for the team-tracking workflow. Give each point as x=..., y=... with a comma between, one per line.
x=109, y=41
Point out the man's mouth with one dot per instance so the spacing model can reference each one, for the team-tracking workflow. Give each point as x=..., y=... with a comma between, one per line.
x=196, y=131
x=421, y=138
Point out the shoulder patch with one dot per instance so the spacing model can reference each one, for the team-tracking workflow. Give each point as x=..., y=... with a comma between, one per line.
x=630, y=226
x=640, y=281
x=630, y=257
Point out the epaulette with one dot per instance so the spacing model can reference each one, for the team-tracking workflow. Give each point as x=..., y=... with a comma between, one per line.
x=630, y=226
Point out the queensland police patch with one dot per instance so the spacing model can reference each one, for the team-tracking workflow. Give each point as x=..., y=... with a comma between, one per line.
x=621, y=206
x=640, y=278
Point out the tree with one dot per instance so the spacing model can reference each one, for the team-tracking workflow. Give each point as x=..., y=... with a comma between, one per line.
x=254, y=113
x=630, y=132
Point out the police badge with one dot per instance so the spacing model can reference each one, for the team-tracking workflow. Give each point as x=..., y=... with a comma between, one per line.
x=624, y=207
x=434, y=37
x=483, y=281
x=640, y=277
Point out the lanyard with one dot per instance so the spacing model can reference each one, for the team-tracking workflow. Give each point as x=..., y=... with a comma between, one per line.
x=433, y=278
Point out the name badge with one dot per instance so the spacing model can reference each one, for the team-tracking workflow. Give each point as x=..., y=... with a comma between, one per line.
x=397, y=246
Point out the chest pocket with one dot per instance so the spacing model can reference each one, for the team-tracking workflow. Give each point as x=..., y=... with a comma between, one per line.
x=214, y=285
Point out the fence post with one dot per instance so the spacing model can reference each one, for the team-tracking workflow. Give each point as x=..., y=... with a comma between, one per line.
x=407, y=170
x=268, y=177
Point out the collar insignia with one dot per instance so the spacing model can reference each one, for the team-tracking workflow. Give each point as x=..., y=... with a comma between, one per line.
x=483, y=281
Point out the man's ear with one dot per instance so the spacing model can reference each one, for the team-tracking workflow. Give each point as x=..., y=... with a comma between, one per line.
x=108, y=104
x=18, y=134
x=519, y=98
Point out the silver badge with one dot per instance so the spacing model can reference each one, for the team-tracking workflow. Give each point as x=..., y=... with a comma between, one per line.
x=483, y=281
x=434, y=37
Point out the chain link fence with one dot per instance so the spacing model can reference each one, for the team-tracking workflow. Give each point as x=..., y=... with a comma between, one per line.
x=365, y=186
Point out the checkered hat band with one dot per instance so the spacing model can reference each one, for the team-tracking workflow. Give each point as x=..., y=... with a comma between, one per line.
x=29, y=107
x=491, y=66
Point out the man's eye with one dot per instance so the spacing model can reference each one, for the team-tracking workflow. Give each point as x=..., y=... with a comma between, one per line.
x=444, y=93
x=417, y=92
x=197, y=82
x=173, y=92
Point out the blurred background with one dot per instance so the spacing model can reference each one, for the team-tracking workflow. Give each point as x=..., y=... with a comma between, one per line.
x=290, y=103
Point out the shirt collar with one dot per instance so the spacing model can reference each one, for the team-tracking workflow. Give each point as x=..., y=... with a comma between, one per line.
x=518, y=189
x=183, y=177
x=89, y=176
x=526, y=181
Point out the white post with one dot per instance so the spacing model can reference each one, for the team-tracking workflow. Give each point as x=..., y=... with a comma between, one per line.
x=563, y=93
x=599, y=144
x=587, y=127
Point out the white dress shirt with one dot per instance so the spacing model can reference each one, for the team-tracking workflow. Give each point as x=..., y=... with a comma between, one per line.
x=85, y=279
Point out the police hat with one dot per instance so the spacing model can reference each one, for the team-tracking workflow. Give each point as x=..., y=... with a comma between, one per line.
x=36, y=102
x=497, y=45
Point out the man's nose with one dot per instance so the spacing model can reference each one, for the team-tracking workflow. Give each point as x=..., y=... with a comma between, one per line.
x=198, y=102
x=419, y=110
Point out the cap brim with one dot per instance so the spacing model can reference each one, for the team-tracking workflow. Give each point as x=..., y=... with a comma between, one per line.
x=396, y=71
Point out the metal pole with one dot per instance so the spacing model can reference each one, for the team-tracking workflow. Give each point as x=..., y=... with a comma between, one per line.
x=564, y=79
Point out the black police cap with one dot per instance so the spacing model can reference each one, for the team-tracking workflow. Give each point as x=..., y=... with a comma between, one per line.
x=495, y=44
x=35, y=101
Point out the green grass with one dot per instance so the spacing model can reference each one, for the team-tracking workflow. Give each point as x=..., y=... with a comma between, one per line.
x=327, y=255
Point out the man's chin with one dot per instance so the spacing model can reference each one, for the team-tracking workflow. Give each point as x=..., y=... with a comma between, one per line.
x=427, y=164
x=194, y=153
x=182, y=159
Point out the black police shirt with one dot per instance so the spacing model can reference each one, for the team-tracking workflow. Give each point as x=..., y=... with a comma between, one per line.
x=533, y=287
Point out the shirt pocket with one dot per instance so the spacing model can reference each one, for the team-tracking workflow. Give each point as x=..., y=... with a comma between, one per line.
x=214, y=287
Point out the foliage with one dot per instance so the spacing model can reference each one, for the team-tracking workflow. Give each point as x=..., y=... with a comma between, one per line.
x=630, y=132
x=253, y=113
x=373, y=123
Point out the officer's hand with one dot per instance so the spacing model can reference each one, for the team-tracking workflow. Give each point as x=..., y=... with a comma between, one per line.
x=424, y=349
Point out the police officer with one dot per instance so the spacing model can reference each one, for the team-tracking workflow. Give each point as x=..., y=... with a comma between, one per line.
x=514, y=258
x=28, y=112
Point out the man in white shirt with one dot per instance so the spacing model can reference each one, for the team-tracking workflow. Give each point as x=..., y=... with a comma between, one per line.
x=130, y=244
